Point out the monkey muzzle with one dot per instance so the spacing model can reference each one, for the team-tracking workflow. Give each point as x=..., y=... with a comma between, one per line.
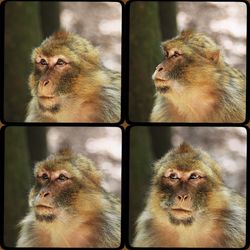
x=181, y=212
x=162, y=85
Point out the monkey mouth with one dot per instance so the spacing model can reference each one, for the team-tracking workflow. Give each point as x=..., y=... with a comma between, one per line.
x=43, y=97
x=162, y=89
x=162, y=86
x=180, y=216
x=44, y=207
x=181, y=210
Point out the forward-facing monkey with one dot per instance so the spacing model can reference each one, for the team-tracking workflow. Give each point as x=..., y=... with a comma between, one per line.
x=195, y=84
x=189, y=205
x=70, y=84
x=68, y=206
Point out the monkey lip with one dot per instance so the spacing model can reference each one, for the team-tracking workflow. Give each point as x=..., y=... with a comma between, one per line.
x=42, y=206
x=160, y=80
x=181, y=211
x=162, y=85
x=43, y=97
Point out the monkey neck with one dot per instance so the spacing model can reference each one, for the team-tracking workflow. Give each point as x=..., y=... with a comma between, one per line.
x=192, y=104
x=70, y=108
x=68, y=231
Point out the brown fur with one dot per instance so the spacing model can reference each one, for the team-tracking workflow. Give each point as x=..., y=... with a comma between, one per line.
x=194, y=84
x=83, y=90
x=218, y=214
x=83, y=214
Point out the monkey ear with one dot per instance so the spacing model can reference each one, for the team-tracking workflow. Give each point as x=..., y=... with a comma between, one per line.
x=213, y=56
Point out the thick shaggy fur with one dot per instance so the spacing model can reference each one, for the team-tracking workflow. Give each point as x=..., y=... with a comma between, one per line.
x=197, y=85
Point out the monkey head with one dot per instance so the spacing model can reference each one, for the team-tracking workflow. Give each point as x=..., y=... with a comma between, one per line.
x=64, y=183
x=189, y=60
x=184, y=180
x=60, y=64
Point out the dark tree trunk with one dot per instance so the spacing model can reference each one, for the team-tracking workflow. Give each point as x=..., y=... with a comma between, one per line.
x=17, y=175
x=161, y=140
x=144, y=56
x=167, y=14
x=50, y=22
x=139, y=173
x=22, y=34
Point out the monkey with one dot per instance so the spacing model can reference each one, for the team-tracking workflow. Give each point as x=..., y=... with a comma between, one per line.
x=68, y=207
x=68, y=83
x=188, y=204
x=194, y=84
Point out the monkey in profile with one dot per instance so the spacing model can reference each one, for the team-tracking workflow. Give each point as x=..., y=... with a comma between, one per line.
x=195, y=84
x=189, y=205
x=70, y=84
x=68, y=206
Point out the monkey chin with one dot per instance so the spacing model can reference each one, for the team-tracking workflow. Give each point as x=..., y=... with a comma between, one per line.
x=161, y=86
x=45, y=213
x=181, y=217
x=49, y=103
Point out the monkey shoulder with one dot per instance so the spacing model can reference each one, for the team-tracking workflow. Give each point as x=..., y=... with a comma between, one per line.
x=110, y=97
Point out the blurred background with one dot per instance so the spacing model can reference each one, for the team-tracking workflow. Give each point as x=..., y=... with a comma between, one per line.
x=24, y=146
x=226, y=145
x=225, y=22
x=27, y=24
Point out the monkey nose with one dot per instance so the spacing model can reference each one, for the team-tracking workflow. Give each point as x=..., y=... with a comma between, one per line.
x=44, y=193
x=182, y=197
x=159, y=68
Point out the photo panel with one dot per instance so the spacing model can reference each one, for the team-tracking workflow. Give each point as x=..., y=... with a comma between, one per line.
x=187, y=61
x=187, y=188
x=67, y=61
x=89, y=87
x=62, y=187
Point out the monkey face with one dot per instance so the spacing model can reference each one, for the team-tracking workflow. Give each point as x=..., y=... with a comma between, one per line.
x=166, y=73
x=64, y=186
x=185, y=63
x=52, y=80
x=53, y=194
x=61, y=64
x=184, y=179
x=184, y=194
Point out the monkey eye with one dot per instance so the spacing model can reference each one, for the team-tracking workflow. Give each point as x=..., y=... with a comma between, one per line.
x=173, y=176
x=176, y=54
x=43, y=62
x=194, y=176
x=62, y=177
x=60, y=62
x=44, y=176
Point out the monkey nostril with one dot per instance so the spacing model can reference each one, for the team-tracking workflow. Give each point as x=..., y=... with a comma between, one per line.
x=44, y=194
x=182, y=197
x=45, y=82
x=179, y=197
